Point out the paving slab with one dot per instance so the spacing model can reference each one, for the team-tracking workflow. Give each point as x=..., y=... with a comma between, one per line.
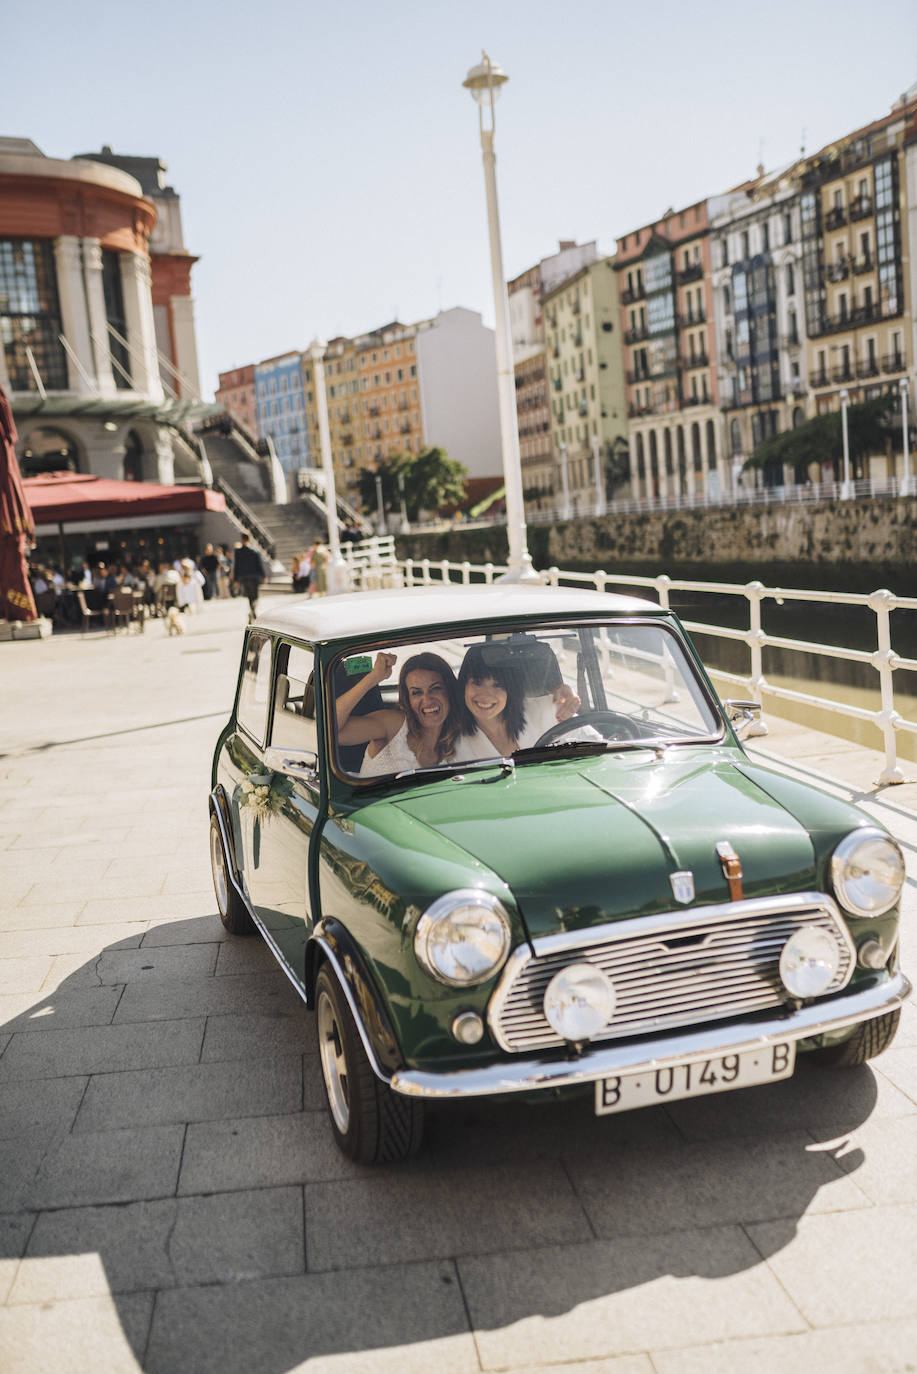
x=192, y=1092
x=75, y=1336
x=265, y=1152
x=622, y=1297
x=106, y=1166
x=100, y=1049
x=876, y=1348
x=414, y=1314
x=225, y=1239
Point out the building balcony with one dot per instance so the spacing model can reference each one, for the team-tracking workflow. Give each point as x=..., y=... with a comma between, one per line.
x=837, y=271
x=836, y=217
x=868, y=367
x=697, y=360
x=863, y=264
x=693, y=317
x=692, y=273
x=634, y=378
x=860, y=207
x=789, y=340
x=633, y=293
x=842, y=372
x=637, y=334
x=634, y=411
x=819, y=379
x=893, y=362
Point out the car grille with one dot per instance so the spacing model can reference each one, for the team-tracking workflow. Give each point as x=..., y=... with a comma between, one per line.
x=676, y=969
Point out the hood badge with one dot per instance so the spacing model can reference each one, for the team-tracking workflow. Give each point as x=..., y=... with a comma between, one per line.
x=683, y=886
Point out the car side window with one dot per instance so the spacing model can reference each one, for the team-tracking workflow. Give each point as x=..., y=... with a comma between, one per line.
x=255, y=687
x=294, y=699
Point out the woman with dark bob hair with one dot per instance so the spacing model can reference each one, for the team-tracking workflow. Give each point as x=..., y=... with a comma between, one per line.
x=420, y=733
x=493, y=706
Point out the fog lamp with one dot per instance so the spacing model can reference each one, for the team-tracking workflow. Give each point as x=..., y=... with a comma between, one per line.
x=809, y=961
x=468, y=1027
x=579, y=1001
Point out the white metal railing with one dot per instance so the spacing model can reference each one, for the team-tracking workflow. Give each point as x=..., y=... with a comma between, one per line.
x=380, y=567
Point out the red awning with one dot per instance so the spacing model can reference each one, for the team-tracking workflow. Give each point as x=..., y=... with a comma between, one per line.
x=67, y=497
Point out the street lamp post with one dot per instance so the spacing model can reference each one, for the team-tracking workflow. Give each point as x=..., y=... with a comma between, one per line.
x=564, y=484
x=405, y=527
x=599, y=476
x=379, y=504
x=906, y=482
x=484, y=82
x=338, y=572
x=846, y=489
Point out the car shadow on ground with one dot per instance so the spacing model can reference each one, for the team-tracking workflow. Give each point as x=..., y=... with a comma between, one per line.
x=165, y=1148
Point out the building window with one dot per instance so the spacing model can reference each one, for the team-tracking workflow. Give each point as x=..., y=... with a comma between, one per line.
x=30, y=314
x=114, y=315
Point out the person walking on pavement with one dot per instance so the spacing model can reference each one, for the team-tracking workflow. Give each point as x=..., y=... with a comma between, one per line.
x=248, y=571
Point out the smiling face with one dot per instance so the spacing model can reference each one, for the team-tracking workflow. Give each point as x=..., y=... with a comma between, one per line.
x=427, y=697
x=485, y=699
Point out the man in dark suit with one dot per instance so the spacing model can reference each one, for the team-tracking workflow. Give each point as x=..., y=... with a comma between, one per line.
x=248, y=571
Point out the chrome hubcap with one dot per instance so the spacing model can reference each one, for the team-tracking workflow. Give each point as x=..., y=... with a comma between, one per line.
x=334, y=1063
x=218, y=864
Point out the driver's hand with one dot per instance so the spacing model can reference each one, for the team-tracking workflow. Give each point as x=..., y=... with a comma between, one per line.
x=384, y=665
x=566, y=701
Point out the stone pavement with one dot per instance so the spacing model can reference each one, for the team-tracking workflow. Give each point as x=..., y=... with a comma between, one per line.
x=170, y=1197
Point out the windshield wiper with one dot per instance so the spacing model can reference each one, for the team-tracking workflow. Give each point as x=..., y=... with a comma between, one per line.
x=567, y=748
x=453, y=766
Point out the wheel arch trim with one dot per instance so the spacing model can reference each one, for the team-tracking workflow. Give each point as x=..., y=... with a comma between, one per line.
x=332, y=940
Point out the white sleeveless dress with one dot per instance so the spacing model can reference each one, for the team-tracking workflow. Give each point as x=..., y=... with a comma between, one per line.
x=394, y=757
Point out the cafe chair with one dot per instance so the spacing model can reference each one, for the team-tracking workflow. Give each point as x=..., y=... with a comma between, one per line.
x=90, y=615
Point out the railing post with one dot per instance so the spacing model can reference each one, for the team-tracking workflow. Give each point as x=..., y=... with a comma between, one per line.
x=885, y=660
x=409, y=572
x=553, y=577
x=662, y=585
x=600, y=578
x=444, y=565
x=755, y=593
x=466, y=572
x=488, y=572
x=425, y=571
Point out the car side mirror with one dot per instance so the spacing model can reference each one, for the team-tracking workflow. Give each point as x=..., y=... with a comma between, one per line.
x=293, y=763
x=744, y=717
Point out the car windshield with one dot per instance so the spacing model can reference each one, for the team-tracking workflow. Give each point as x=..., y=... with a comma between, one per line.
x=519, y=693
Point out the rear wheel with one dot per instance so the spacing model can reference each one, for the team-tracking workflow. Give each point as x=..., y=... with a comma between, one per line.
x=370, y=1122
x=868, y=1039
x=233, y=911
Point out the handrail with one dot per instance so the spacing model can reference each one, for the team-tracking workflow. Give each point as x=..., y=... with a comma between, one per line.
x=246, y=517
x=427, y=572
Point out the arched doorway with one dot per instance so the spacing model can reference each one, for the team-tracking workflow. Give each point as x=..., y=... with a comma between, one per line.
x=45, y=449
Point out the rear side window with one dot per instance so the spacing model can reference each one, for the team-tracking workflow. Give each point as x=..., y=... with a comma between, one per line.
x=294, y=699
x=255, y=687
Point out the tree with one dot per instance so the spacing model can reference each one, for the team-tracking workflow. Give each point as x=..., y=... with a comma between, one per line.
x=870, y=425
x=430, y=479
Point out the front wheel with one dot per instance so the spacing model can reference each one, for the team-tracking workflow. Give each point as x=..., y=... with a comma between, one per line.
x=370, y=1122
x=869, y=1039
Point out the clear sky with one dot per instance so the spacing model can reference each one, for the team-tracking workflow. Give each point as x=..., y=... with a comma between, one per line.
x=328, y=159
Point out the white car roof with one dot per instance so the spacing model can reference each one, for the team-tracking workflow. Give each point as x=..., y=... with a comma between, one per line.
x=342, y=616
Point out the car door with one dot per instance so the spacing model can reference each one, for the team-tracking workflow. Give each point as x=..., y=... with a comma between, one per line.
x=279, y=873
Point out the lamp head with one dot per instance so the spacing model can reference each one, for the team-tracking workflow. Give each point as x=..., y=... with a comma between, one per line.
x=316, y=349
x=844, y=396
x=484, y=80
x=903, y=384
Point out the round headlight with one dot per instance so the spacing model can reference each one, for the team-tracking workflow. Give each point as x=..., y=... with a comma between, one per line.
x=579, y=1001
x=463, y=937
x=808, y=961
x=867, y=871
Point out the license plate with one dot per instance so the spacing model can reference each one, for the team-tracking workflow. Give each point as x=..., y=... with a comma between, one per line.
x=720, y=1073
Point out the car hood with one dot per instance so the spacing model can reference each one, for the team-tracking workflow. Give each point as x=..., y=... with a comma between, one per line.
x=580, y=843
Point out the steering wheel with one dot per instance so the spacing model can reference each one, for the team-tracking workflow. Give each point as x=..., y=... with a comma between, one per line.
x=621, y=727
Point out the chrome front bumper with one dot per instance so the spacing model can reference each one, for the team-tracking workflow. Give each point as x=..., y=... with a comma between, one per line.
x=722, y=1037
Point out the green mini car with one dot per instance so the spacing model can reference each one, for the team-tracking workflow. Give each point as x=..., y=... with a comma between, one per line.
x=506, y=840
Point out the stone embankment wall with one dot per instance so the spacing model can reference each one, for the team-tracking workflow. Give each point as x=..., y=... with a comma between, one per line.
x=843, y=545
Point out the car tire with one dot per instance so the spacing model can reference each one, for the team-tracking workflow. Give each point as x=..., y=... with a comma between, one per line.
x=233, y=911
x=370, y=1122
x=869, y=1039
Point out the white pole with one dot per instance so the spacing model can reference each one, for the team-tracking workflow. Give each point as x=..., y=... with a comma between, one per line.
x=846, y=491
x=482, y=84
x=380, y=505
x=565, y=486
x=338, y=572
x=405, y=527
x=599, y=476
x=906, y=484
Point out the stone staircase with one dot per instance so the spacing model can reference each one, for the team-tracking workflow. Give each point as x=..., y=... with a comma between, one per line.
x=292, y=529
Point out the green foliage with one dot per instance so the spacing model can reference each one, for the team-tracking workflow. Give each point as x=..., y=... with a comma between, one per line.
x=870, y=425
x=429, y=479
